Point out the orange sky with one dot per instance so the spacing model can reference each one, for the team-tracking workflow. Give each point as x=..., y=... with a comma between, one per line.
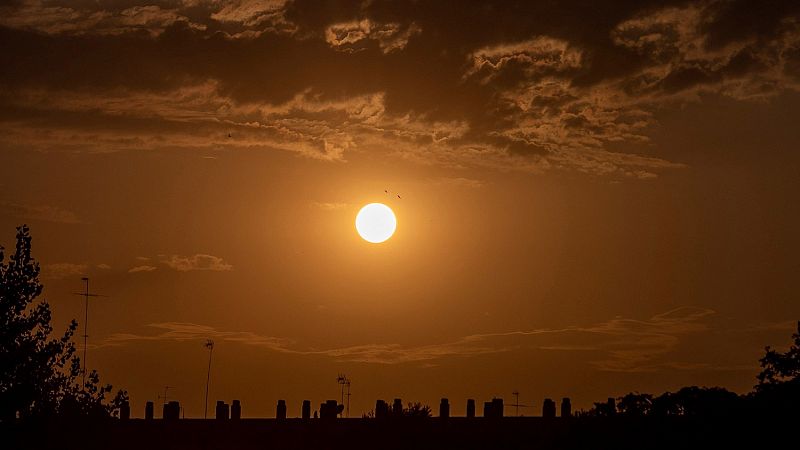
x=594, y=200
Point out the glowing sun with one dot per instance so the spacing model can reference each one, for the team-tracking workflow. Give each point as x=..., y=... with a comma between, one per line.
x=376, y=223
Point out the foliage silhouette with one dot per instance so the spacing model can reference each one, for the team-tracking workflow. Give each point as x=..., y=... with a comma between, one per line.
x=635, y=404
x=417, y=409
x=777, y=368
x=39, y=373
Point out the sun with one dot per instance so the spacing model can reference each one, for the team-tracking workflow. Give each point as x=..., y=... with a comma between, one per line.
x=376, y=223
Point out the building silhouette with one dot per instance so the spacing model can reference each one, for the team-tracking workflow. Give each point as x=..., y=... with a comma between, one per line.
x=444, y=408
x=471, y=407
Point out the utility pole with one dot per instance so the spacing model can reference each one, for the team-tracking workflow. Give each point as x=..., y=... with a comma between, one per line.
x=85, y=294
x=210, y=346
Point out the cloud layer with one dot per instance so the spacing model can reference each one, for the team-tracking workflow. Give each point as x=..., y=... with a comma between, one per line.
x=534, y=86
x=617, y=345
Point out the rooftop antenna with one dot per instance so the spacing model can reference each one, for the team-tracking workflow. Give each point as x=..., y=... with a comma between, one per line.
x=210, y=346
x=165, y=396
x=86, y=294
x=345, y=383
x=348, y=398
x=517, y=404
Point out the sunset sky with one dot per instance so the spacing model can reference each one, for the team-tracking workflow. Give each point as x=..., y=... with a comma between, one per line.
x=597, y=197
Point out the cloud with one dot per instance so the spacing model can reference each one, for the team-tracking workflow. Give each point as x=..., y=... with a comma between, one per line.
x=616, y=345
x=461, y=182
x=45, y=213
x=103, y=266
x=196, y=262
x=59, y=271
x=444, y=87
x=143, y=268
x=352, y=36
x=329, y=206
x=37, y=15
x=181, y=331
x=255, y=15
x=538, y=56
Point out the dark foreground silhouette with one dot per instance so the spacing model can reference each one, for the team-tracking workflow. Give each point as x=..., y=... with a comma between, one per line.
x=680, y=432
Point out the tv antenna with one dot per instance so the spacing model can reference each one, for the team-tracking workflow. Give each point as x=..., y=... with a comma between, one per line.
x=166, y=391
x=345, y=383
x=86, y=294
x=517, y=404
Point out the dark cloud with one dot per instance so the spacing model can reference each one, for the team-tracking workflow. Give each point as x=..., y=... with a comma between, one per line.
x=559, y=82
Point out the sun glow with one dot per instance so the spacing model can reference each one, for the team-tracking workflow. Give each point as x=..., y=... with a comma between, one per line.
x=376, y=223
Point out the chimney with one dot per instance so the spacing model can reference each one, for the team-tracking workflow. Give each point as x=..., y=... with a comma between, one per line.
x=566, y=407
x=281, y=410
x=222, y=410
x=236, y=410
x=548, y=408
x=148, y=411
x=381, y=409
x=125, y=411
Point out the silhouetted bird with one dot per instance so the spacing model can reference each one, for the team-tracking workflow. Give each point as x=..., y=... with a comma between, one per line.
x=398, y=196
x=230, y=135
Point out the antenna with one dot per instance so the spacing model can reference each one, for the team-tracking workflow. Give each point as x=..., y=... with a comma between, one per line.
x=165, y=396
x=345, y=383
x=517, y=404
x=210, y=346
x=86, y=296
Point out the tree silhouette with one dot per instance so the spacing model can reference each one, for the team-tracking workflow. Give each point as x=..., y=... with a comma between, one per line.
x=777, y=368
x=697, y=401
x=635, y=404
x=38, y=373
x=417, y=409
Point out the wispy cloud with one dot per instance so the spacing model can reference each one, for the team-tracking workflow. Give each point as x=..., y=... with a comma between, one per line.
x=182, y=331
x=143, y=268
x=616, y=345
x=47, y=213
x=461, y=182
x=196, y=262
x=329, y=206
x=58, y=271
